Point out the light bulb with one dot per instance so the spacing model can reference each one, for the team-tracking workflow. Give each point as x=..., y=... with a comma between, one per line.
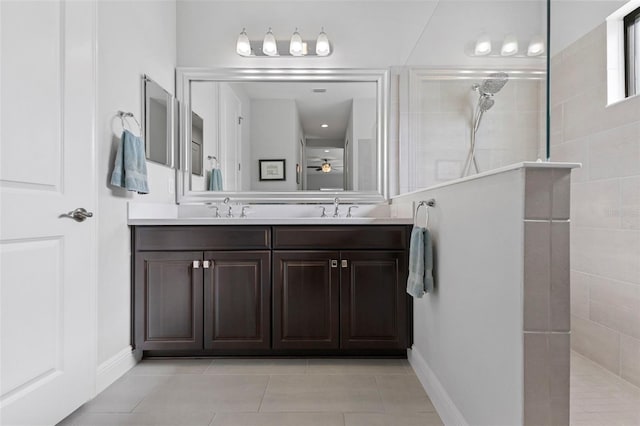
x=243, y=45
x=536, y=46
x=296, y=47
x=269, y=46
x=483, y=45
x=323, y=48
x=326, y=167
x=509, y=45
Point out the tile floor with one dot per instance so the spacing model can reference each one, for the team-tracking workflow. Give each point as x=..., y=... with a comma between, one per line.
x=314, y=392
x=269, y=392
x=599, y=398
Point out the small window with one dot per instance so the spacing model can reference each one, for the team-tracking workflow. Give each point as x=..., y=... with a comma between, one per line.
x=632, y=52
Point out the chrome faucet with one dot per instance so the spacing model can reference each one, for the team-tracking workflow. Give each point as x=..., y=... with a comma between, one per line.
x=211, y=206
x=229, y=211
x=349, y=211
x=336, y=207
x=243, y=212
x=324, y=211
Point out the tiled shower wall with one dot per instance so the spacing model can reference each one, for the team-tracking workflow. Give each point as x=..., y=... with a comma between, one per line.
x=509, y=132
x=605, y=205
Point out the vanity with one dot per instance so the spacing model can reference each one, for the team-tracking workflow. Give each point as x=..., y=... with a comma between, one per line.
x=220, y=290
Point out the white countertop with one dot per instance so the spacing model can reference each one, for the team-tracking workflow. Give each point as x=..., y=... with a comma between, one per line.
x=272, y=221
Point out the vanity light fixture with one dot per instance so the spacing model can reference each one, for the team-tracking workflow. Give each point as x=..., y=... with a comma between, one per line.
x=536, y=46
x=269, y=45
x=509, y=45
x=483, y=45
x=243, y=45
x=296, y=47
x=323, y=48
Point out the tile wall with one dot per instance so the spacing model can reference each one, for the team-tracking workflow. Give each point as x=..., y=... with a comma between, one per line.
x=605, y=205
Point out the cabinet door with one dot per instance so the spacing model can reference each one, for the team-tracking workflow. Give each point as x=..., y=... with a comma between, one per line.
x=237, y=300
x=373, y=302
x=168, y=300
x=306, y=300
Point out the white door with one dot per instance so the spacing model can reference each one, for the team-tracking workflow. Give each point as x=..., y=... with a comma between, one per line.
x=230, y=138
x=47, y=95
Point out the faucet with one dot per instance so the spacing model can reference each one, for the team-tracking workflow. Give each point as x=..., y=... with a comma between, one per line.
x=324, y=211
x=211, y=206
x=349, y=211
x=336, y=207
x=243, y=211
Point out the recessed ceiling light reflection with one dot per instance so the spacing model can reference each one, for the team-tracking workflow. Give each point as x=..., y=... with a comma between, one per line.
x=324, y=126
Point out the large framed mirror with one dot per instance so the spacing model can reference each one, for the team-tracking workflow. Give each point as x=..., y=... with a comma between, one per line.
x=283, y=135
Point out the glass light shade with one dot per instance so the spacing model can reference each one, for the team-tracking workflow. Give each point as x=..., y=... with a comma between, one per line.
x=509, y=46
x=483, y=45
x=323, y=48
x=269, y=46
x=243, y=46
x=536, y=46
x=326, y=167
x=296, y=47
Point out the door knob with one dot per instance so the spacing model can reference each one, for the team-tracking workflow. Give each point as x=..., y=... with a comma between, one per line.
x=79, y=214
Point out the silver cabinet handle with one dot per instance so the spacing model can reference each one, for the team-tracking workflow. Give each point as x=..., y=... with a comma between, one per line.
x=79, y=214
x=206, y=264
x=334, y=263
x=196, y=264
x=345, y=263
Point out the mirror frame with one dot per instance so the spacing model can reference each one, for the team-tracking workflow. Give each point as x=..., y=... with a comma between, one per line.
x=184, y=77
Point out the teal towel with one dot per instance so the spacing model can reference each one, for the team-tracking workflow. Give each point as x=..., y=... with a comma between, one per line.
x=130, y=168
x=215, y=180
x=420, y=279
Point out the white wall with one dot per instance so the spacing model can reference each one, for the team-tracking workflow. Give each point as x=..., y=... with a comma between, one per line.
x=134, y=38
x=469, y=332
x=273, y=126
x=364, y=125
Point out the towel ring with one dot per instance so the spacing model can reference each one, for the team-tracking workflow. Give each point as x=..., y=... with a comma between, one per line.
x=124, y=115
x=212, y=158
x=426, y=204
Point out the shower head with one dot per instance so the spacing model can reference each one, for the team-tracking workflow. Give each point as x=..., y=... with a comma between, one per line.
x=494, y=83
x=485, y=103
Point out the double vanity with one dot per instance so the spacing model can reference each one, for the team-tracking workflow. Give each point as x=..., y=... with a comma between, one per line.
x=207, y=286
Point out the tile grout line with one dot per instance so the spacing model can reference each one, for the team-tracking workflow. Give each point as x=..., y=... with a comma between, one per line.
x=264, y=393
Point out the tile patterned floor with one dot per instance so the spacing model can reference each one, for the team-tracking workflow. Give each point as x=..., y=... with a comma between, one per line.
x=314, y=392
x=599, y=398
x=263, y=392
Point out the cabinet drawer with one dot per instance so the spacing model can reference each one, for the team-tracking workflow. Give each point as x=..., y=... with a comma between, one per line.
x=159, y=238
x=340, y=237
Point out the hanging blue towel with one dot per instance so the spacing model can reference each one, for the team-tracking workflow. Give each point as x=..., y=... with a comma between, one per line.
x=215, y=180
x=130, y=168
x=420, y=279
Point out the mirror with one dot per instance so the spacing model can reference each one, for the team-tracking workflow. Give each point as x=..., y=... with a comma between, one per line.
x=283, y=135
x=158, y=122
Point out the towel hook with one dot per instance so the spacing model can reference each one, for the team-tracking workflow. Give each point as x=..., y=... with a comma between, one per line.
x=212, y=158
x=429, y=203
x=123, y=116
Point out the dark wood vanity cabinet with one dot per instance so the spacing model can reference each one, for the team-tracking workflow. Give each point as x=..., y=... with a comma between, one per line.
x=206, y=290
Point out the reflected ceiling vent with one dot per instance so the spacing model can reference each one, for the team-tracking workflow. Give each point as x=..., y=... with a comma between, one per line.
x=319, y=90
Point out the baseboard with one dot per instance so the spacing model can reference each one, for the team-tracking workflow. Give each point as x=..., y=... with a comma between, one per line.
x=441, y=400
x=114, y=368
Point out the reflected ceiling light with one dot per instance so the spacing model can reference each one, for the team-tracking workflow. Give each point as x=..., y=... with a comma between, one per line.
x=243, y=45
x=536, y=46
x=326, y=167
x=324, y=126
x=296, y=47
x=509, y=45
x=327, y=151
x=483, y=45
x=323, y=48
x=269, y=46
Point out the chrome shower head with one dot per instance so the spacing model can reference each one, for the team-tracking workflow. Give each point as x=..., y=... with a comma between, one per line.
x=485, y=103
x=493, y=84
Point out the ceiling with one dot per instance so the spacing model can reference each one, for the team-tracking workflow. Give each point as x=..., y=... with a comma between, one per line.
x=332, y=107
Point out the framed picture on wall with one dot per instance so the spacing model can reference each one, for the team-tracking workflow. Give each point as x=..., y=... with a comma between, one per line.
x=272, y=170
